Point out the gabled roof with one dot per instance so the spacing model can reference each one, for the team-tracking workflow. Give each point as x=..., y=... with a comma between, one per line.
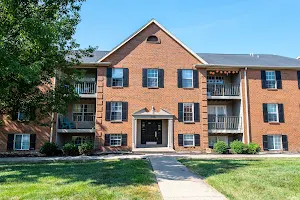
x=141, y=29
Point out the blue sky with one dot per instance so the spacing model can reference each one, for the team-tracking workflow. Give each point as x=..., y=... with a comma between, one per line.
x=213, y=26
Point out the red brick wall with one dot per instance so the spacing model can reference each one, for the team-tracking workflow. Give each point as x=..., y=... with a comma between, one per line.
x=136, y=55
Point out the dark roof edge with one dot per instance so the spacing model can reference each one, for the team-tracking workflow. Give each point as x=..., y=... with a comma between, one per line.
x=245, y=66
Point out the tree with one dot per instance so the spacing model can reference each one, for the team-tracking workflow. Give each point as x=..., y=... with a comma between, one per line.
x=36, y=44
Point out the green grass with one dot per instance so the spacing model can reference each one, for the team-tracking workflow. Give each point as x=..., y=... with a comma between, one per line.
x=114, y=179
x=267, y=179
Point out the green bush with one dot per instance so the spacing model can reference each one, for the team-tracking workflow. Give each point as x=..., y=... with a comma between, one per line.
x=238, y=147
x=70, y=149
x=253, y=148
x=86, y=148
x=49, y=148
x=220, y=147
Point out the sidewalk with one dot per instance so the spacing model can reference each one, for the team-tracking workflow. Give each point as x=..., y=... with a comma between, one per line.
x=176, y=182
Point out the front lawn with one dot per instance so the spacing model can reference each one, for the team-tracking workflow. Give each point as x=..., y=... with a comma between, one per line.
x=273, y=179
x=114, y=179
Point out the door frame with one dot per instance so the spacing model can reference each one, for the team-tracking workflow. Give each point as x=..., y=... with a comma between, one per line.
x=146, y=121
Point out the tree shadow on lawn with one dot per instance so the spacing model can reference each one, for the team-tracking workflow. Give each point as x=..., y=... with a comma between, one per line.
x=206, y=168
x=110, y=173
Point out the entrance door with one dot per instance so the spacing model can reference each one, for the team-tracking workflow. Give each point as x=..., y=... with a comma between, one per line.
x=216, y=116
x=151, y=131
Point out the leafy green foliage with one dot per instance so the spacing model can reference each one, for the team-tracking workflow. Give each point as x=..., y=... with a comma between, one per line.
x=36, y=44
x=86, y=148
x=70, y=149
x=253, y=148
x=49, y=148
x=220, y=147
x=238, y=147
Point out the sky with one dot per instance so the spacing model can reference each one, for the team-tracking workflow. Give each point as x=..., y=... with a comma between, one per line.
x=205, y=26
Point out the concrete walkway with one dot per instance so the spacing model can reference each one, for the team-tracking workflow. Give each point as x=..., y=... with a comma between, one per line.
x=176, y=182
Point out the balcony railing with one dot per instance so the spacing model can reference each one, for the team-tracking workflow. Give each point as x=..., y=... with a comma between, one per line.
x=85, y=87
x=76, y=122
x=224, y=123
x=223, y=89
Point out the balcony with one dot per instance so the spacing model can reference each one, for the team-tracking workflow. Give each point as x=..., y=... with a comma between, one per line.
x=223, y=91
x=86, y=89
x=76, y=124
x=224, y=124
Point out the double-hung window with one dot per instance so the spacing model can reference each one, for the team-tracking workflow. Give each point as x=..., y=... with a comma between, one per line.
x=271, y=79
x=83, y=112
x=115, y=139
x=116, y=111
x=22, y=141
x=187, y=78
x=274, y=142
x=188, y=112
x=152, y=78
x=188, y=140
x=273, y=113
x=117, y=77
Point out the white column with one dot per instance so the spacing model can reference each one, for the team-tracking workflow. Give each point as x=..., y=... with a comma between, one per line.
x=133, y=133
x=170, y=133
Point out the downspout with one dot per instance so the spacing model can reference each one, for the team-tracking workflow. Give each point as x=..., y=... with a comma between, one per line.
x=52, y=115
x=247, y=105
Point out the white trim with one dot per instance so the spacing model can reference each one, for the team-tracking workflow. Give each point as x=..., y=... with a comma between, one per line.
x=115, y=139
x=275, y=84
x=111, y=105
x=193, y=112
x=157, y=77
x=280, y=138
x=140, y=30
x=189, y=140
x=277, y=112
x=247, y=104
x=21, y=142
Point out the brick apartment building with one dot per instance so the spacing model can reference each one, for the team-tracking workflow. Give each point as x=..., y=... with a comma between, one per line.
x=153, y=92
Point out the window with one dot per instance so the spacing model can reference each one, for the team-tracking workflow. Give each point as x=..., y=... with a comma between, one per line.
x=153, y=39
x=215, y=80
x=117, y=77
x=22, y=141
x=115, y=140
x=188, y=140
x=188, y=112
x=271, y=79
x=274, y=142
x=187, y=78
x=116, y=111
x=83, y=112
x=214, y=139
x=78, y=140
x=272, y=112
x=152, y=77
x=23, y=116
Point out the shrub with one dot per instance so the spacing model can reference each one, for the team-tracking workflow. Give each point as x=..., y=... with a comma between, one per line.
x=70, y=149
x=238, y=147
x=220, y=147
x=86, y=148
x=253, y=148
x=49, y=148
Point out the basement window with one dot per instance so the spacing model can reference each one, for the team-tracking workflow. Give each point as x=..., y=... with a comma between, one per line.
x=153, y=39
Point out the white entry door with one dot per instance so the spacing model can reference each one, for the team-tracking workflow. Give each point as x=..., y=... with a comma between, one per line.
x=216, y=116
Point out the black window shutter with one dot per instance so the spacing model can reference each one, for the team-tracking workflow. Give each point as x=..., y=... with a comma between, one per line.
x=196, y=112
x=195, y=79
x=32, y=114
x=108, y=76
x=14, y=115
x=180, y=139
x=265, y=142
x=124, y=111
x=108, y=110
x=10, y=142
x=124, y=140
x=278, y=79
x=265, y=112
x=179, y=79
x=125, y=77
x=180, y=112
x=161, y=78
x=281, y=113
x=285, y=145
x=144, y=77
x=263, y=79
x=32, y=141
x=107, y=140
x=197, y=139
x=298, y=75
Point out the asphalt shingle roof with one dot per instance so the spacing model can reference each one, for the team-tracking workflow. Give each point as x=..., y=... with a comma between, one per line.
x=95, y=57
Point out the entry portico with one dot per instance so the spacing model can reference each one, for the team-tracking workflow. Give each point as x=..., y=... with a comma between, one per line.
x=151, y=129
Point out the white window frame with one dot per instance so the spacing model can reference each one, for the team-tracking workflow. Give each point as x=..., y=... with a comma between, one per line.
x=192, y=86
x=275, y=84
x=193, y=112
x=152, y=78
x=22, y=149
x=83, y=113
x=277, y=112
x=273, y=140
x=119, y=139
x=184, y=139
x=112, y=77
x=111, y=111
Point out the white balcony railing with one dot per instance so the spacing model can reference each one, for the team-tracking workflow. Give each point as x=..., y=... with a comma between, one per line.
x=224, y=123
x=223, y=89
x=85, y=87
x=77, y=122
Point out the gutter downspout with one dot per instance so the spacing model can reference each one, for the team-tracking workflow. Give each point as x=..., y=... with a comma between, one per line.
x=247, y=105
